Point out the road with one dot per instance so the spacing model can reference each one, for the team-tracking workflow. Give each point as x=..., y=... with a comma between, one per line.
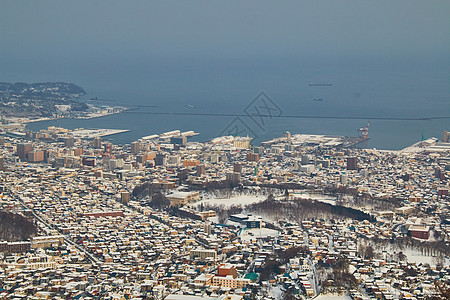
x=91, y=257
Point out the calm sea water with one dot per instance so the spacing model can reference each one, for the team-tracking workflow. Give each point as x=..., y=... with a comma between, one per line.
x=363, y=90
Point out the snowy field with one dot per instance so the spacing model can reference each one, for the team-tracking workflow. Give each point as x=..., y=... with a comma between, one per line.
x=415, y=256
x=244, y=200
x=251, y=234
x=234, y=200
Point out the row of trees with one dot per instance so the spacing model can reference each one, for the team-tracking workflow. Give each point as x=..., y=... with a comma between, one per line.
x=295, y=210
x=299, y=210
x=428, y=248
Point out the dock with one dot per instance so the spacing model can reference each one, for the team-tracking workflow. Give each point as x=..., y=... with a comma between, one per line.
x=349, y=142
x=93, y=133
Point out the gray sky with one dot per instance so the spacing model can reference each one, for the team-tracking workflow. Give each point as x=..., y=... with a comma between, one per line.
x=88, y=30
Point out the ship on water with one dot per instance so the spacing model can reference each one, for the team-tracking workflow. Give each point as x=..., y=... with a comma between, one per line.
x=320, y=84
x=318, y=99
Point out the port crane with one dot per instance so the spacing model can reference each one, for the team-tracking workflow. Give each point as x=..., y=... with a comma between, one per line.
x=364, y=132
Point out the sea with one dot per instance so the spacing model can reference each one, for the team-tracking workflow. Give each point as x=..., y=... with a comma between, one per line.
x=403, y=100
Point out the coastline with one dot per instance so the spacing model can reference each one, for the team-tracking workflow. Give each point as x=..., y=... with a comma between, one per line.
x=88, y=117
x=141, y=125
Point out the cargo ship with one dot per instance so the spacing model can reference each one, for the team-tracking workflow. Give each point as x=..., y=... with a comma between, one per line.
x=320, y=84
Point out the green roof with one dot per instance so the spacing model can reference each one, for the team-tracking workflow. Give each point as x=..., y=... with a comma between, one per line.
x=251, y=276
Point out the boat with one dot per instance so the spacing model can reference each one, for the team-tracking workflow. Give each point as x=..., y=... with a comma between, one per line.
x=318, y=99
x=190, y=106
x=320, y=84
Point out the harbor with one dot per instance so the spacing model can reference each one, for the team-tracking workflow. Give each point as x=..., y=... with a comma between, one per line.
x=93, y=133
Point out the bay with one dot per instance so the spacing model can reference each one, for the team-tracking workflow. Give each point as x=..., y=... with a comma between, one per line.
x=402, y=98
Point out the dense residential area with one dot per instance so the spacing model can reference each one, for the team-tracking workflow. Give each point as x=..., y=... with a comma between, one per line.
x=299, y=217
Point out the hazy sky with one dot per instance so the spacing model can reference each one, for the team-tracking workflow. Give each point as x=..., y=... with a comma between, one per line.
x=88, y=30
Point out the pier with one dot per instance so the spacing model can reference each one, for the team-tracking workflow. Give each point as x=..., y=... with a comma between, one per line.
x=93, y=133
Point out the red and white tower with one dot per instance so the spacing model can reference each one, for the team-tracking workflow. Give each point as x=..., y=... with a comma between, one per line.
x=364, y=132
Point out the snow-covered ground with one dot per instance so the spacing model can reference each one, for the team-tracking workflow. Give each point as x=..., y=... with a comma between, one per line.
x=250, y=234
x=332, y=297
x=250, y=199
x=318, y=197
x=415, y=256
x=276, y=292
x=233, y=200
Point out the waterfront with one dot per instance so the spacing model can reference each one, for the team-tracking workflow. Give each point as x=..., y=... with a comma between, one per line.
x=362, y=91
x=391, y=135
